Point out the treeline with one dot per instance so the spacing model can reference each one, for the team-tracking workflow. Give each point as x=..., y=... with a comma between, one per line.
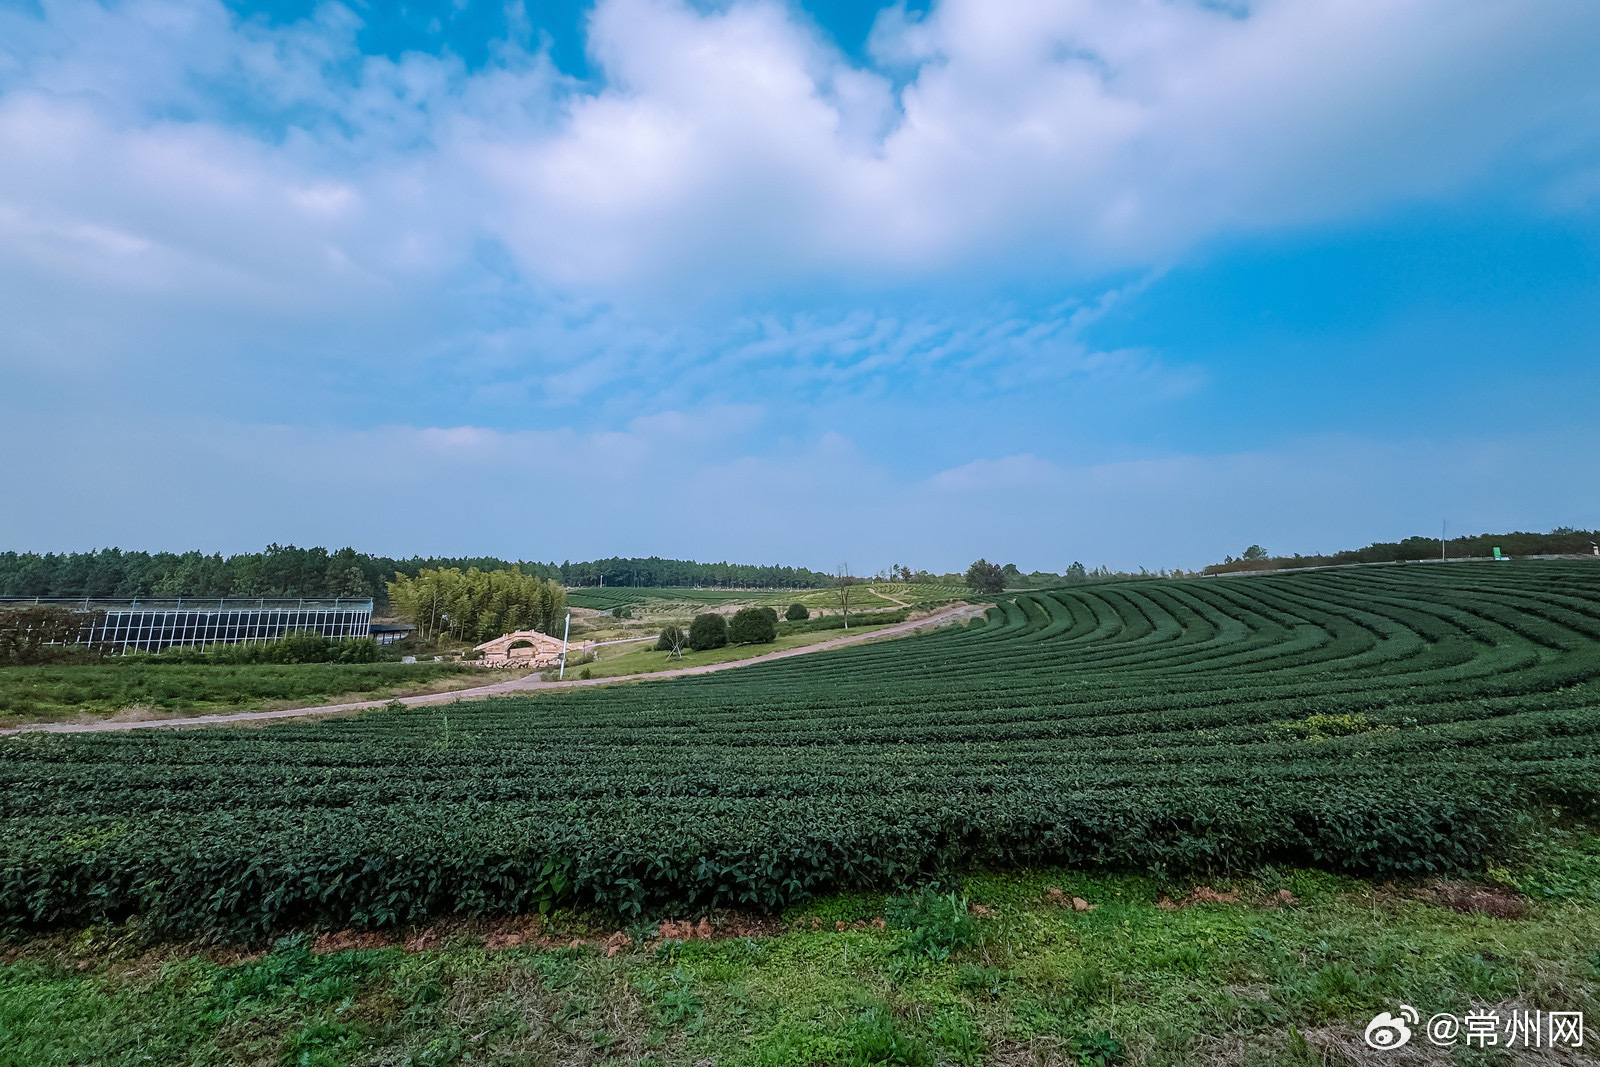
x=1563, y=540
x=658, y=573
x=287, y=571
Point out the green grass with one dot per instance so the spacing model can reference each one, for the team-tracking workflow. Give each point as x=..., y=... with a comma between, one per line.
x=1027, y=982
x=55, y=691
x=642, y=658
x=868, y=596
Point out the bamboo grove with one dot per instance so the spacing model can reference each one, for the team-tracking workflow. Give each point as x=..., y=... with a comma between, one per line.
x=1394, y=720
x=474, y=605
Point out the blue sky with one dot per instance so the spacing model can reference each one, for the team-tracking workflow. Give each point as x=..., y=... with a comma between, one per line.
x=1133, y=284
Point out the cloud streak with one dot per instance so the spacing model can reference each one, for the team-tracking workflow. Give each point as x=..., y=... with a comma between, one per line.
x=734, y=150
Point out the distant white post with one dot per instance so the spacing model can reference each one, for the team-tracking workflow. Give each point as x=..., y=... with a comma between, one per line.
x=565, y=630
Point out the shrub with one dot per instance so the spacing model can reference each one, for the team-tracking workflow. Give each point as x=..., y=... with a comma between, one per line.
x=297, y=646
x=937, y=924
x=671, y=638
x=36, y=634
x=623, y=612
x=753, y=626
x=708, y=631
x=797, y=613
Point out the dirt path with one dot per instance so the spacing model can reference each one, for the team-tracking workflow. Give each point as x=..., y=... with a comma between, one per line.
x=886, y=596
x=514, y=686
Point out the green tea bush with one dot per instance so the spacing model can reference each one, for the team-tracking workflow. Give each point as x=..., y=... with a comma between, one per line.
x=1132, y=725
x=797, y=613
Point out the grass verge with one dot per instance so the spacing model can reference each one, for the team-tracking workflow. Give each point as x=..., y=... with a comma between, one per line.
x=54, y=692
x=642, y=658
x=1032, y=967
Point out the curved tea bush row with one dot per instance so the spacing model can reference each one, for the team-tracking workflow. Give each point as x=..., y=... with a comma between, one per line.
x=1393, y=720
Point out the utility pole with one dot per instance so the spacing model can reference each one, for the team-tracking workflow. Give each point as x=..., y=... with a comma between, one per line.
x=1444, y=524
x=562, y=673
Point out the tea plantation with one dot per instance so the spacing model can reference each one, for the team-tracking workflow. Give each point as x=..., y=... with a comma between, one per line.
x=1389, y=720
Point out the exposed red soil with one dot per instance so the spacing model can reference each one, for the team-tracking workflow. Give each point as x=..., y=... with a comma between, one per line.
x=728, y=924
x=1474, y=899
x=840, y=926
x=1059, y=898
x=1204, y=894
x=344, y=940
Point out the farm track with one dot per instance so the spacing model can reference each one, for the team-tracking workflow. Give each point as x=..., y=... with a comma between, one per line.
x=1389, y=721
x=530, y=683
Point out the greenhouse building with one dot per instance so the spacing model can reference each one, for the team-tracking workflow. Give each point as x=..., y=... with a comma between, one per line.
x=150, y=624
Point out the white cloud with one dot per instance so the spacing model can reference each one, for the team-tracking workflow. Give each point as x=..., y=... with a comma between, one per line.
x=731, y=150
x=187, y=198
x=179, y=184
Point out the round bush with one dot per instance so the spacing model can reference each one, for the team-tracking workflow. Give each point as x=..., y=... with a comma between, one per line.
x=797, y=613
x=753, y=626
x=671, y=638
x=708, y=631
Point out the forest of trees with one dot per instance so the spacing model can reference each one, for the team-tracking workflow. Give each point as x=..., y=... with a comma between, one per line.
x=1563, y=540
x=284, y=570
x=657, y=573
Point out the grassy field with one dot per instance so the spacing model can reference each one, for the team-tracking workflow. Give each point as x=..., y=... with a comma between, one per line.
x=1158, y=974
x=40, y=693
x=642, y=657
x=868, y=596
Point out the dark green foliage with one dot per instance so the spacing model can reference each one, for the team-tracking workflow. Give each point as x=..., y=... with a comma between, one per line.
x=1098, y=1049
x=986, y=577
x=671, y=638
x=936, y=924
x=708, y=631
x=622, y=611
x=753, y=626
x=300, y=646
x=1172, y=726
x=1560, y=541
x=284, y=570
x=34, y=634
x=797, y=613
